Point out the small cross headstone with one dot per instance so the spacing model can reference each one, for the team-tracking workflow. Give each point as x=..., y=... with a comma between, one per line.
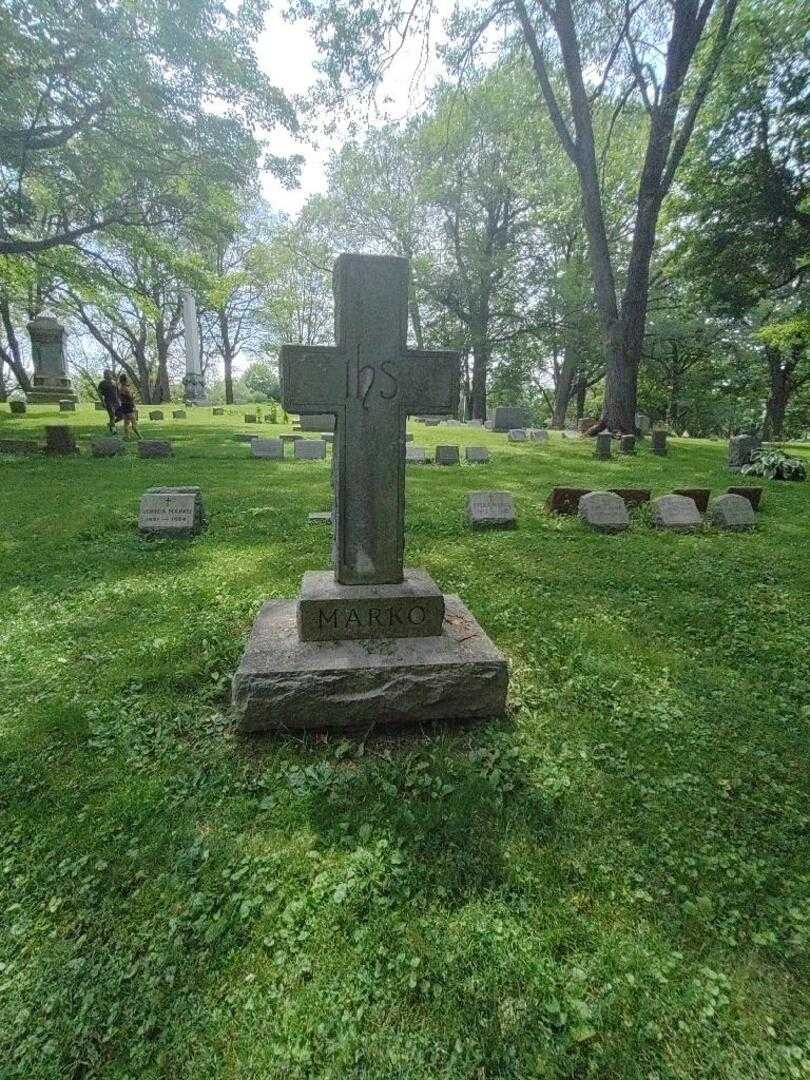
x=156, y=414
x=700, y=496
x=659, y=442
x=154, y=448
x=416, y=455
x=179, y=414
x=447, y=455
x=171, y=511
x=491, y=510
x=603, y=447
x=60, y=440
x=106, y=447
x=479, y=455
x=267, y=448
x=676, y=512
x=17, y=407
x=627, y=444
x=732, y=512
x=604, y=512
x=753, y=494
x=309, y=449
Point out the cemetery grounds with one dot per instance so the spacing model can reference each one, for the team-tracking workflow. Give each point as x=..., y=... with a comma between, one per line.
x=612, y=881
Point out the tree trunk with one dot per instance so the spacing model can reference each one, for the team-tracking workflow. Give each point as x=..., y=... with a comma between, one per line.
x=227, y=355
x=778, y=394
x=564, y=386
x=478, y=393
x=3, y=388
x=162, y=389
x=582, y=390
x=14, y=353
x=416, y=316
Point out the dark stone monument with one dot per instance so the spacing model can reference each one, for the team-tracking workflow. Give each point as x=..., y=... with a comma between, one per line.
x=627, y=444
x=565, y=500
x=659, y=442
x=154, y=448
x=109, y=446
x=477, y=455
x=633, y=497
x=155, y=414
x=740, y=449
x=179, y=414
x=732, y=512
x=700, y=496
x=447, y=455
x=60, y=440
x=507, y=417
x=753, y=494
x=50, y=381
x=19, y=446
x=603, y=447
x=377, y=643
x=17, y=407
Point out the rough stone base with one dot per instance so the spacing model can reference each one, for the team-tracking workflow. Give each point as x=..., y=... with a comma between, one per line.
x=284, y=684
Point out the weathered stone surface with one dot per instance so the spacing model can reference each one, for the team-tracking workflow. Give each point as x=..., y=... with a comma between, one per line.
x=106, y=447
x=156, y=414
x=329, y=437
x=288, y=438
x=179, y=414
x=67, y=406
x=740, y=449
x=447, y=455
x=286, y=684
x=478, y=455
x=317, y=422
x=659, y=442
x=267, y=448
x=537, y=434
x=17, y=407
x=50, y=380
x=603, y=446
x=491, y=510
x=320, y=517
x=489, y=425
x=432, y=423
x=328, y=611
x=733, y=512
x=603, y=511
x=627, y=444
x=154, y=448
x=633, y=497
x=565, y=500
x=19, y=446
x=753, y=494
x=251, y=418
x=507, y=417
x=643, y=423
x=59, y=439
x=171, y=511
x=245, y=437
x=416, y=455
x=516, y=435
x=676, y=512
x=217, y=411
x=700, y=496
x=309, y=449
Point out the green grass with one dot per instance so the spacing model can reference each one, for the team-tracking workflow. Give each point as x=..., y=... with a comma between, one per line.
x=612, y=881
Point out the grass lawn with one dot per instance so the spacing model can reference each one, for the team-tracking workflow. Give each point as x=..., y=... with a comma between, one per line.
x=612, y=881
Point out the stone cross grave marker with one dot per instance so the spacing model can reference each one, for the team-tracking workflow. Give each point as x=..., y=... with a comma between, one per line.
x=371, y=382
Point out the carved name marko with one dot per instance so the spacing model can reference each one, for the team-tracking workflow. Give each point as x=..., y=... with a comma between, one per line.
x=383, y=618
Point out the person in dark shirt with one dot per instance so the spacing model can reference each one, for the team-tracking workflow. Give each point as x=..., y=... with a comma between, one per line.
x=108, y=392
x=126, y=408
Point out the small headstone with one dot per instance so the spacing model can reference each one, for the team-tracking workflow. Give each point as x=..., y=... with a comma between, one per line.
x=329, y=437
x=267, y=448
x=316, y=422
x=676, y=512
x=106, y=447
x=537, y=434
x=179, y=414
x=171, y=511
x=489, y=425
x=565, y=500
x=475, y=423
x=432, y=423
x=309, y=449
x=67, y=406
x=604, y=512
x=491, y=510
x=753, y=494
x=155, y=414
x=244, y=437
x=320, y=517
x=602, y=450
x=447, y=455
x=659, y=442
x=217, y=411
x=516, y=435
x=286, y=437
x=154, y=448
x=251, y=418
x=60, y=440
x=627, y=444
x=643, y=423
x=476, y=454
x=733, y=512
x=740, y=449
x=633, y=497
x=507, y=417
x=17, y=407
x=700, y=496
x=417, y=455
x=19, y=446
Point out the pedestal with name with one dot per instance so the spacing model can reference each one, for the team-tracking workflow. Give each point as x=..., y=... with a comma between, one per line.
x=373, y=642
x=50, y=381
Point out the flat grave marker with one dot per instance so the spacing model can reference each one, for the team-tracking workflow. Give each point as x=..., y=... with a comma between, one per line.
x=491, y=510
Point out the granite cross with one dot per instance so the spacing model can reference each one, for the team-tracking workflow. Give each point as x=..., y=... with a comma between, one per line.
x=371, y=382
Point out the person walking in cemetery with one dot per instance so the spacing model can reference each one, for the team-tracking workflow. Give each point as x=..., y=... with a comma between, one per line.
x=108, y=392
x=126, y=408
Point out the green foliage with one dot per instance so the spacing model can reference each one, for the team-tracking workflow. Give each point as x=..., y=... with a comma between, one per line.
x=776, y=465
x=611, y=882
